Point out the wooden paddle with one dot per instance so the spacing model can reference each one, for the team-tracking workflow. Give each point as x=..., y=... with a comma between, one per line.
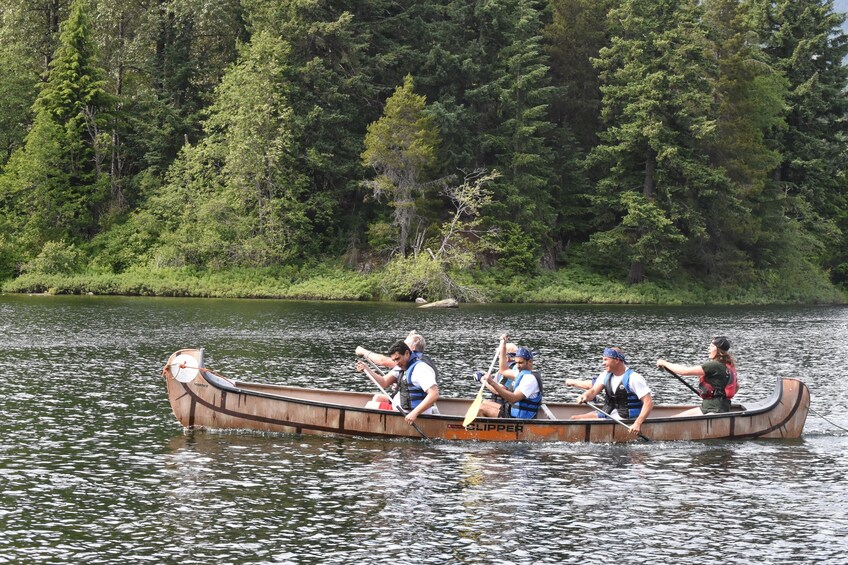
x=475, y=406
x=617, y=421
x=400, y=408
x=682, y=380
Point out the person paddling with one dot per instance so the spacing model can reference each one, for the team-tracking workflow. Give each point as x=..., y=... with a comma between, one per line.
x=524, y=396
x=495, y=406
x=627, y=393
x=714, y=376
x=417, y=389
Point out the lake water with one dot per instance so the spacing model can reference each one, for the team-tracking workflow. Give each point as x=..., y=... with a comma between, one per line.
x=95, y=469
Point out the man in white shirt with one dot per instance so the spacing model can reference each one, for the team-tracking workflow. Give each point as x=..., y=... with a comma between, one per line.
x=525, y=394
x=628, y=394
x=417, y=388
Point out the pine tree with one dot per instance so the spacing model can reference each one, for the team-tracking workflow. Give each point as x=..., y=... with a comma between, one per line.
x=33, y=27
x=806, y=41
x=29, y=34
x=334, y=95
x=516, y=136
x=163, y=61
x=243, y=187
x=747, y=218
x=57, y=184
x=575, y=36
x=657, y=107
x=17, y=89
x=520, y=142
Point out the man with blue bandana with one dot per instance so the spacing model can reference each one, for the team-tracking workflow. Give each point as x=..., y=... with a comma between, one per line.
x=524, y=396
x=628, y=395
x=495, y=406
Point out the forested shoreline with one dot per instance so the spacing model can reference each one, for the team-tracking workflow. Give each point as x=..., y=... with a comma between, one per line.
x=661, y=151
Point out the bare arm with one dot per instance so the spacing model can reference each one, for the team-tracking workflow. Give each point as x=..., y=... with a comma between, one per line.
x=585, y=384
x=429, y=400
x=591, y=393
x=503, y=360
x=376, y=358
x=695, y=370
x=385, y=382
x=503, y=392
x=647, y=406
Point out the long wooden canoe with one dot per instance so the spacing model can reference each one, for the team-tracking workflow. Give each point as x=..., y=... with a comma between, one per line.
x=201, y=398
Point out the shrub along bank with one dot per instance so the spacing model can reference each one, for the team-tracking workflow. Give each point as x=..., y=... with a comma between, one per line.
x=395, y=283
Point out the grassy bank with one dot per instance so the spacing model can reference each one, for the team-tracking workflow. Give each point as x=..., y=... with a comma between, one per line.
x=320, y=284
x=580, y=287
x=329, y=282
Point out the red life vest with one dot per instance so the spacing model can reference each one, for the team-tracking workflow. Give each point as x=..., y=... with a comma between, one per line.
x=706, y=390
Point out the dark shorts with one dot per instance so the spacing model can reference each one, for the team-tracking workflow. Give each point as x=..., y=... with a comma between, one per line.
x=715, y=405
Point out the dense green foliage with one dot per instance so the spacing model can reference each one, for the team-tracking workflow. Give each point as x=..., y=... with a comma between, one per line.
x=662, y=150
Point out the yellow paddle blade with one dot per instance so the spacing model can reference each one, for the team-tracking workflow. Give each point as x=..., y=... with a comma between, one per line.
x=475, y=407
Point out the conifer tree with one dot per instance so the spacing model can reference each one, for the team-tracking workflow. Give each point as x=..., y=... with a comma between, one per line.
x=20, y=77
x=33, y=27
x=513, y=101
x=334, y=95
x=253, y=213
x=575, y=36
x=746, y=219
x=163, y=60
x=657, y=107
x=56, y=184
x=520, y=142
x=805, y=40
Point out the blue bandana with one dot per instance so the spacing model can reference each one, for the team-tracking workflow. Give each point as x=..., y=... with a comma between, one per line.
x=524, y=353
x=613, y=354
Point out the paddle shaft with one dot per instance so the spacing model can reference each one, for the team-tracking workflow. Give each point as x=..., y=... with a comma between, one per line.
x=400, y=408
x=376, y=368
x=617, y=421
x=471, y=415
x=682, y=380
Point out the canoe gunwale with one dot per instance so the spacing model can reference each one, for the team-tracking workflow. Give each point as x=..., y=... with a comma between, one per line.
x=759, y=407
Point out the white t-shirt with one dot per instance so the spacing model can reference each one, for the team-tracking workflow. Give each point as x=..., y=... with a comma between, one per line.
x=424, y=377
x=529, y=385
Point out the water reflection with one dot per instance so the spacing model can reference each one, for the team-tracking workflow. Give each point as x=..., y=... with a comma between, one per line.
x=94, y=468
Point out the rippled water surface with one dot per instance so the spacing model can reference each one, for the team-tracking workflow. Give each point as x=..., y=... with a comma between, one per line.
x=94, y=468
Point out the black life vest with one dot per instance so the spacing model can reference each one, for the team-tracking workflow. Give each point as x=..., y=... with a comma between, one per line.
x=622, y=398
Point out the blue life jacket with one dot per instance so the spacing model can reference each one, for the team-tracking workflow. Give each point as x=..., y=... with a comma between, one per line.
x=411, y=395
x=526, y=408
x=623, y=398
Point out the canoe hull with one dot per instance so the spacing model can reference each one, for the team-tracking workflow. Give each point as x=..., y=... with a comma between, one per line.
x=203, y=399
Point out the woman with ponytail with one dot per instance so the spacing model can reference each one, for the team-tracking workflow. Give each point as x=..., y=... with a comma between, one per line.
x=717, y=377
